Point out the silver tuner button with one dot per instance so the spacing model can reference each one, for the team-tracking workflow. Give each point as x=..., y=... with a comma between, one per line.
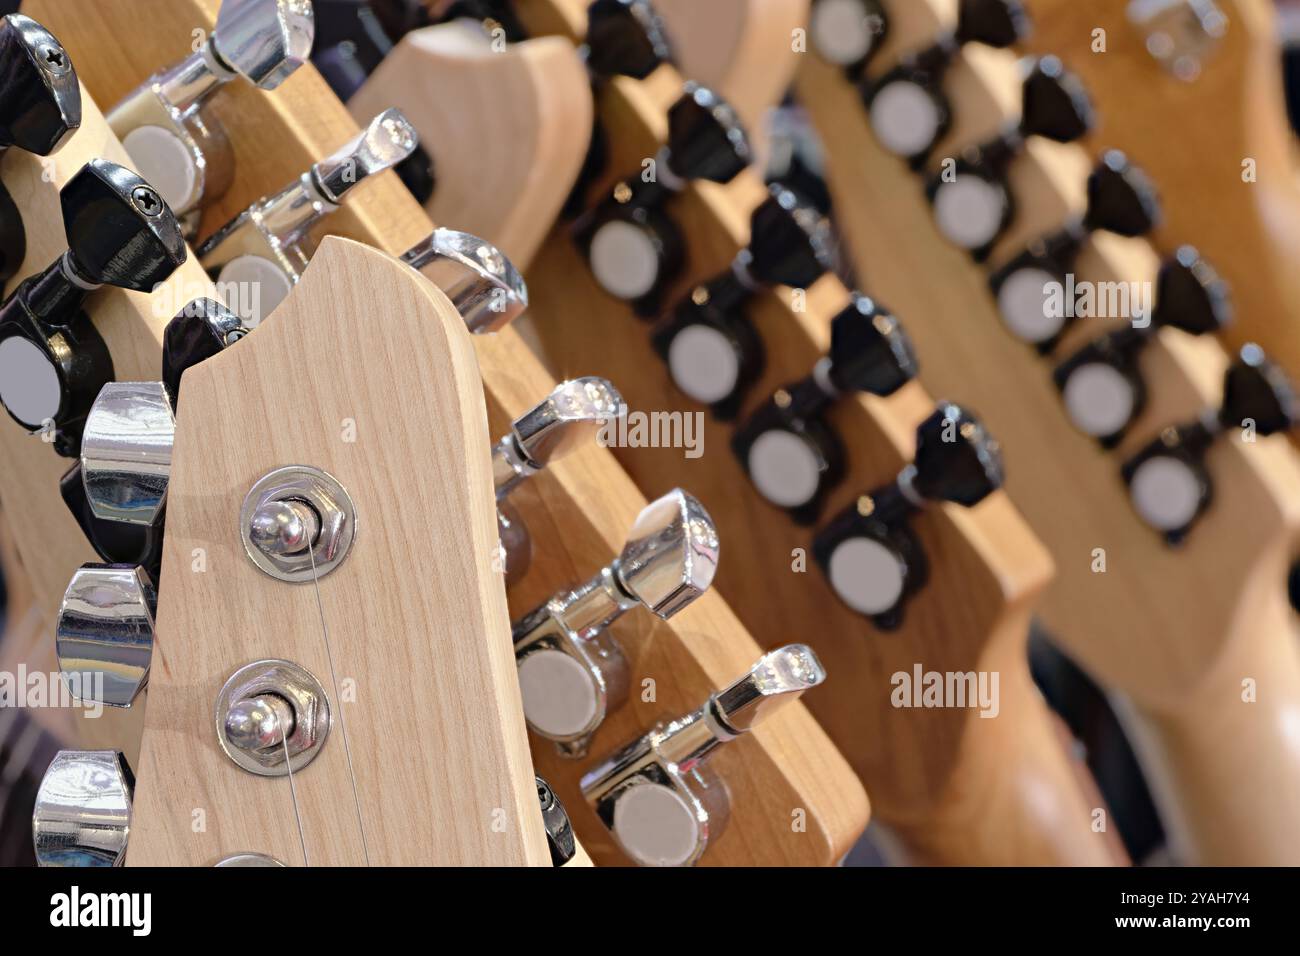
x=264, y=40
x=658, y=796
x=104, y=634
x=570, y=417
x=388, y=139
x=272, y=716
x=671, y=554
x=83, y=810
x=1180, y=34
x=479, y=279
x=248, y=859
x=126, y=452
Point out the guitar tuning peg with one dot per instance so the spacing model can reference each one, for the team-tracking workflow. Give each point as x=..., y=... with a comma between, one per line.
x=1180, y=36
x=972, y=203
x=260, y=254
x=83, y=809
x=713, y=352
x=847, y=32
x=1102, y=385
x=52, y=360
x=104, y=633
x=872, y=558
x=632, y=246
x=126, y=452
x=786, y=447
x=659, y=796
x=481, y=281
x=567, y=419
x=1121, y=200
x=40, y=107
x=907, y=106
x=571, y=670
x=1168, y=481
x=624, y=38
x=555, y=820
x=186, y=156
x=199, y=331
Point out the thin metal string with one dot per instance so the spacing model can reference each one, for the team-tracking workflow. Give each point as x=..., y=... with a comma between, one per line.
x=343, y=725
x=293, y=790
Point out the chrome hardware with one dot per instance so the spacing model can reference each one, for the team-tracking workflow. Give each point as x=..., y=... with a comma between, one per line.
x=105, y=632
x=481, y=281
x=126, y=452
x=249, y=859
x=264, y=40
x=83, y=810
x=571, y=670
x=1180, y=34
x=266, y=247
x=270, y=710
x=657, y=795
x=297, y=523
x=570, y=417
x=559, y=831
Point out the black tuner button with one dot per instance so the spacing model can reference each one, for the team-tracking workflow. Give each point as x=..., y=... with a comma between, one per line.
x=847, y=32
x=40, y=98
x=555, y=820
x=52, y=360
x=1121, y=198
x=1054, y=103
x=870, y=555
x=790, y=241
x=995, y=23
x=1191, y=296
x=1258, y=394
x=1168, y=482
x=199, y=331
x=633, y=248
x=40, y=106
x=625, y=38
x=712, y=351
x=1101, y=385
x=787, y=449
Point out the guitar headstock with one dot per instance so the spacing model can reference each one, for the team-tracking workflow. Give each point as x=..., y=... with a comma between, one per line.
x=986, y=566
x=577, y=511
x=1177, y=629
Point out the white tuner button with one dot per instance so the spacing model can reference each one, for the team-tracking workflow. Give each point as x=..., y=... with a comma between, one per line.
x=1022, y=300
x=256, y=286
x=561, y=699
x=867, y=575
x=1098, y=399
x=29, y=385
x=905, y=118
x=624, y=260
x=1165, y=493
x=703, y=364
x=655, y=826
x=784, y=468
x=969, y=211
x=165, y=162
x=840, y=31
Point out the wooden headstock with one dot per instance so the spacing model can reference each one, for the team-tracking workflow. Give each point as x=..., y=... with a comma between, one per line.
x=507, y=130
x=956, y=788
x=1183, y=632
x=1218, y=146
x=578, y=511
x=427, y=759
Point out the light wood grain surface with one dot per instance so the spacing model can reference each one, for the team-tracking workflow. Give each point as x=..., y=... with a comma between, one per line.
x=507, y=131
x=578, y=511
x=1178, y=630
x=958, y=788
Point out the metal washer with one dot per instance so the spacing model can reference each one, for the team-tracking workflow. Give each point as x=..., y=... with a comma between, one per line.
x=332, y=503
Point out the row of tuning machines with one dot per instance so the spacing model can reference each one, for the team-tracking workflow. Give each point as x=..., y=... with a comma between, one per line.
x=1100, y=383
x=714, y=355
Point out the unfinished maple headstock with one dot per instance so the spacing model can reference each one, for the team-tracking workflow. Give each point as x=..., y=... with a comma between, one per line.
x=578, y=512
x=927, y=770
x=1196, y=636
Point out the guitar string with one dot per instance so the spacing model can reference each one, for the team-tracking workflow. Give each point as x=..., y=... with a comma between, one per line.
x=334, y=680
x=293, y=790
